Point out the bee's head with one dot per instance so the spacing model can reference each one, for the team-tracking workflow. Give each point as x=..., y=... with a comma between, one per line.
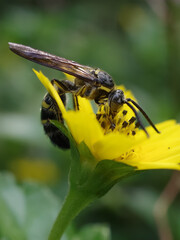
x=116, y=99
x=117, y=96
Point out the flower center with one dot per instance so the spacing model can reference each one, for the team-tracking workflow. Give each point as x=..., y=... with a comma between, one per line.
x=122, y=122
x=127, y=155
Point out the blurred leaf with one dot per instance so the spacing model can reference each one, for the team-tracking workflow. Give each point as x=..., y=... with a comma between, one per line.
x=27, y=211
x=143, y=203
x=91, y=232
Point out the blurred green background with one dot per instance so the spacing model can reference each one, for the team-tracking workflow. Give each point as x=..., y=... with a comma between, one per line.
x=135, y=41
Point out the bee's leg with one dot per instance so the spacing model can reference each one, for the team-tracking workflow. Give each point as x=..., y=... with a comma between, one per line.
x=80, y=91
x=76, y=103
x=64, y=86
x=67, y=86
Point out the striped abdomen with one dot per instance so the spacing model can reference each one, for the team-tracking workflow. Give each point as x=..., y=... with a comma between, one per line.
x=50, y=111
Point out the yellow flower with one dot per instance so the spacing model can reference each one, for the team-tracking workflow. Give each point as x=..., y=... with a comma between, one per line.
x=126, y=144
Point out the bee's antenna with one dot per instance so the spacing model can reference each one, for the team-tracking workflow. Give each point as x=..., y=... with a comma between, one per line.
x=144, y=114
x=137, y=116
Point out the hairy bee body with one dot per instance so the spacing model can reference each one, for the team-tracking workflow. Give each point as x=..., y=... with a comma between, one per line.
x=50, y=111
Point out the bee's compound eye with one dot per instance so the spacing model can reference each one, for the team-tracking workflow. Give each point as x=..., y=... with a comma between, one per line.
x=119, y=92
x=117, y=96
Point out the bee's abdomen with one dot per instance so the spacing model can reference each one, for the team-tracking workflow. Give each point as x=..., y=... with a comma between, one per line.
x=50, y=111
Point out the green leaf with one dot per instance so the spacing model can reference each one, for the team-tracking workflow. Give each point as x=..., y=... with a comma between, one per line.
x=106, y=174
x=91, y=232
x=80, y=173
x=12, y=209
x=97, y=177
x=26, y=211
x=86, y=155
x=75, y=163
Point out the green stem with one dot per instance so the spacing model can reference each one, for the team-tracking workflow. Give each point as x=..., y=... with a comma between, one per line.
x=74, y=203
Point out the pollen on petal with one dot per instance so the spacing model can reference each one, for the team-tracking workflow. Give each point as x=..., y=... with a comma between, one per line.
x=160, y=151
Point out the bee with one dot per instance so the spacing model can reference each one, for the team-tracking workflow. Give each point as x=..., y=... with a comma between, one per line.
x=91, y=83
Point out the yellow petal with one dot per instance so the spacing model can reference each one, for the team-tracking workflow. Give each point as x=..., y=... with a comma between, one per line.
x=112, y=145
x=85, y=105
x=84, y=127
x=160, y=150
x=52, y=91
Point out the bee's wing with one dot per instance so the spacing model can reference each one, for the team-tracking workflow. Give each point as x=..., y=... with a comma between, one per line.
x=52, y=61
